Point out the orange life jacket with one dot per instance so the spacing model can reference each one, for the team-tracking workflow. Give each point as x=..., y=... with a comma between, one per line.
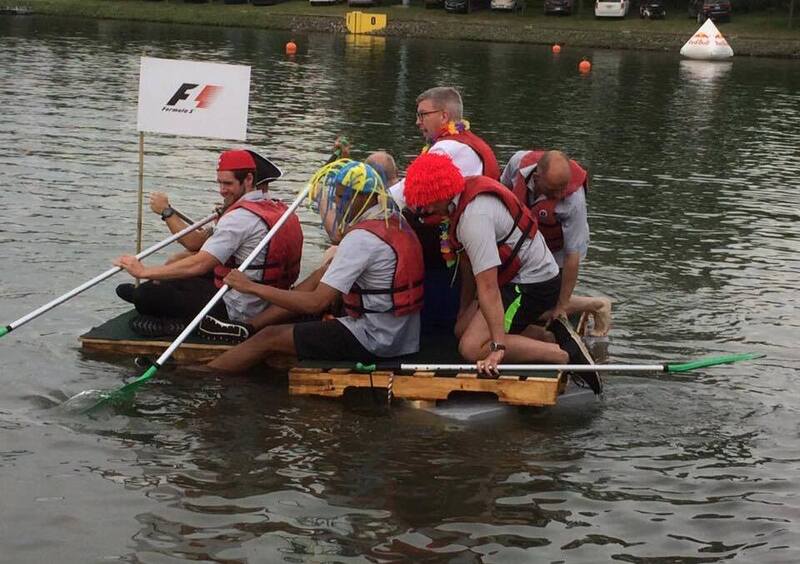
x=509, y=257
x=282, y=263
x=481, y=147
x=409, y=272
x=544, y=211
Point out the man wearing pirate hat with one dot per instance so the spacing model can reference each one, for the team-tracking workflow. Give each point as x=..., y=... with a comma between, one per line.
x=178, y=290
x=377, y=269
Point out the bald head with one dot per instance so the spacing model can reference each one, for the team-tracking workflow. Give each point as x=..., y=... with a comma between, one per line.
x=553, y=174
x=384, y=163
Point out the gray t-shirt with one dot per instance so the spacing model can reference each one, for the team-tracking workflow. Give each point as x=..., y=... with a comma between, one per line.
x=571, y=211
x=486, y=221
x=364, y=259
x=237, y=234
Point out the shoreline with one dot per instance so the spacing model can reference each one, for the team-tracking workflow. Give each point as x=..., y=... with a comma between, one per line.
x=756, y=35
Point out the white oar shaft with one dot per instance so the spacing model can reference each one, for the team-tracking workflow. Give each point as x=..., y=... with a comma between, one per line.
x=107, y=274
x=221, y=292
x=540, y=367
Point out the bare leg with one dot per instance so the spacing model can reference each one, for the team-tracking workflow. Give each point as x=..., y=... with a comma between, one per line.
x=464, y=319
x=539, y=333
x=474, y=345
x=270, y=340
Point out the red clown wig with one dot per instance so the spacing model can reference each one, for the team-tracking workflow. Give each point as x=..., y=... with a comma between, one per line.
x=432, y=177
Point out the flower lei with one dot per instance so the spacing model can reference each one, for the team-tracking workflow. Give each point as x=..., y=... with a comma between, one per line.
x=444, y=243
x=450, y=128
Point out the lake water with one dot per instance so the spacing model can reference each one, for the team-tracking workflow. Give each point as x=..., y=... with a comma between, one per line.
x=695, y=236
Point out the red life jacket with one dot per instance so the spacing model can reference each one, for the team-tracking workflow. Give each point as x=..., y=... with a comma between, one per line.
x=409, y=272
x=481, y=147
x=544, y=211
x=484, y=152
x=282, y=263
x=509, y=257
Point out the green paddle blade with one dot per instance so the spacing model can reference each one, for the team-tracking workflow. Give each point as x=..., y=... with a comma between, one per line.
x=4, y=331
x=365, y=368
x=125, y=392
x=713, y=361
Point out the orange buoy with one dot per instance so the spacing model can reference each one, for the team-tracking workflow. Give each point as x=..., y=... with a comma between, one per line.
x=556, y=49
x=291, y=48
x=584, y=66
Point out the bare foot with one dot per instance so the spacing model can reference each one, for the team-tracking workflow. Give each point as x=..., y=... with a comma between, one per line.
x=602, y=319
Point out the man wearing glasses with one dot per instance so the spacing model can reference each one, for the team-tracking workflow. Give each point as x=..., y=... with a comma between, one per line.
x=441, y=122
x=440, y=119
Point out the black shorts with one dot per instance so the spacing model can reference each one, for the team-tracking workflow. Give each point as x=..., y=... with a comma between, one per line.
x=328, y=340
x=534, y=300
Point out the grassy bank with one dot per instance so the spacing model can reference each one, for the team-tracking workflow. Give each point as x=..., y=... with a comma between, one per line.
x=759, y=34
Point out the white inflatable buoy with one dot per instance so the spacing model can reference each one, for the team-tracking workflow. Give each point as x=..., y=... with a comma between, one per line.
x=707, y=43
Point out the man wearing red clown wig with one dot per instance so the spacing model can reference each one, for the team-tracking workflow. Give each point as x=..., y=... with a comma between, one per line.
x=502, y=257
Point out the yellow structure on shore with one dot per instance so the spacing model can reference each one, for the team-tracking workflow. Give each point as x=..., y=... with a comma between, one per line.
x=359, y=22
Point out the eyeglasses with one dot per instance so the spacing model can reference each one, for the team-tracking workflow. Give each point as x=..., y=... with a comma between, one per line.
x=421, y=115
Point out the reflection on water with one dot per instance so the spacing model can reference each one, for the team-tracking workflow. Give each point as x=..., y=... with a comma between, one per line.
x=693, y=209
x=704, y=71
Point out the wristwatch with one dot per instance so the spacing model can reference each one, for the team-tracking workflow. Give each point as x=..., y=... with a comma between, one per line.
x=166, y=213
x=494, y=346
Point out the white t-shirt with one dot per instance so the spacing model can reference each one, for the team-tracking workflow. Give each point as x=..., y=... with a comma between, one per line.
x=484, y=222
x=465, y=159
x=237, y=234
x=364, y=259
x=570, y=212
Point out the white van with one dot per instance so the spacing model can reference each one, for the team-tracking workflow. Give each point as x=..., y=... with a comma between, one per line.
x=507, y=5
x=611, y=8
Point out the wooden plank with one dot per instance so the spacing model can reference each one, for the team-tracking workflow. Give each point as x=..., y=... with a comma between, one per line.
x=187, y=353
x=531, y=391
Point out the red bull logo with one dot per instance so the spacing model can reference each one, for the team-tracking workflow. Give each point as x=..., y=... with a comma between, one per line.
x=719, y=40
x=700, y=38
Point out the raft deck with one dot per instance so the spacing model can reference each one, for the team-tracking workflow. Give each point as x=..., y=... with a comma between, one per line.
x=333, y=379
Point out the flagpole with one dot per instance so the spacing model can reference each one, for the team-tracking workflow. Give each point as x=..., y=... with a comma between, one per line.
x=139, y=218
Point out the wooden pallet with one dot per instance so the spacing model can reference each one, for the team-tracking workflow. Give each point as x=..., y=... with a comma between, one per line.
x=428, y=386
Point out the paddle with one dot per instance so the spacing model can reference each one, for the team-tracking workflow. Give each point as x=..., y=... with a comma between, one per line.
x=667, y=368
x=131, y=387
x=97, y=279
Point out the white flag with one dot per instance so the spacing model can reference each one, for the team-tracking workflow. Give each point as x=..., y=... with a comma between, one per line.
x=193, y=98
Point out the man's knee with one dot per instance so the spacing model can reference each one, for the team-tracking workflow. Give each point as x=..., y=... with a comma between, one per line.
x=470, y=350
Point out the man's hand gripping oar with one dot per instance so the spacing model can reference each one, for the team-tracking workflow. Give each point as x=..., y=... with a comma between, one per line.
x=131, y=387
x=105, y=275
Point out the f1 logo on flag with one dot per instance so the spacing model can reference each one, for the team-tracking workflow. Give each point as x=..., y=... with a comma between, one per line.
x=190, y=97
x=193, y=98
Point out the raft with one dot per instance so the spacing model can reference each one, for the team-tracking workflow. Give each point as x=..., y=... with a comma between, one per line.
x=335, y=379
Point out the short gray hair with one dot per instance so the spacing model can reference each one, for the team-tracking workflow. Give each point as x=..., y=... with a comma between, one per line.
x=445, y=98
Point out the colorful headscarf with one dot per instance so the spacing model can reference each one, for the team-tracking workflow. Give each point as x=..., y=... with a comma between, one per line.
x=355, y=178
